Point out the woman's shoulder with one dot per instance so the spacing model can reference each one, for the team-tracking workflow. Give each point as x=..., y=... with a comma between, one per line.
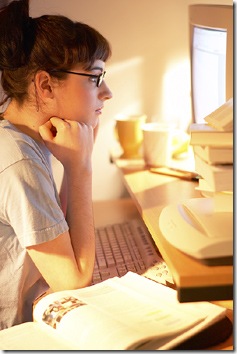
x=16, y=145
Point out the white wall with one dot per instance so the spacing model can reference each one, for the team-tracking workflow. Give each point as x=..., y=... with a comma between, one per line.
x=149, y=71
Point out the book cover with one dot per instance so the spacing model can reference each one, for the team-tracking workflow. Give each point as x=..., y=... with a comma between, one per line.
x=218, y=177
x=214, y=155
x=204, y=134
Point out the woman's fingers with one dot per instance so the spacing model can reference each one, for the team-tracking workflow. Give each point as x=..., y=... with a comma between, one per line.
x=46, y=132
x=49, y=130
x=68, y=140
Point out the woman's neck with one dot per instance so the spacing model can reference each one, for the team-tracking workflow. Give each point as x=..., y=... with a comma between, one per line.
x=25, y=119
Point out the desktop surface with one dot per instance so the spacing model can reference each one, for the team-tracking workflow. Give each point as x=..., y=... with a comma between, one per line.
x=29, y=337
x=151, y=193
x=120, y=210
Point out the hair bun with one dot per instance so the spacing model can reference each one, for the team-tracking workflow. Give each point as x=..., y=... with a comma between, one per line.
x=15, y=34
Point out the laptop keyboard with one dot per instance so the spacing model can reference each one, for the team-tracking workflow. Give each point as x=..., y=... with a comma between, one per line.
x=128, y=246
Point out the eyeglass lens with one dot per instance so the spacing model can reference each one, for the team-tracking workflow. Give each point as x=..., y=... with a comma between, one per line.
x=100, y=79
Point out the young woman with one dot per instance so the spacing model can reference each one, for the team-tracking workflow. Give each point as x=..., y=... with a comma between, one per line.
x=52, y=74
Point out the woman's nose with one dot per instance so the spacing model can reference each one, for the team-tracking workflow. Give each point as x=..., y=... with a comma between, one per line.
x=105, y=92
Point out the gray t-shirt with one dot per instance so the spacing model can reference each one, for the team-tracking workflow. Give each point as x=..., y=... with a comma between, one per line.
x=30, y=214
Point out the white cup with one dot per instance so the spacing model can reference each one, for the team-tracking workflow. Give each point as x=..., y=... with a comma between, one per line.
x=157, y=143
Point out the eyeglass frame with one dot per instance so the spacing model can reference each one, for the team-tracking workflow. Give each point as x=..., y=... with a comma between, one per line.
x=99, y=77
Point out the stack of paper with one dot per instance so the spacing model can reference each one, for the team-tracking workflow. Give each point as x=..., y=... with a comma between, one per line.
x=213, y=153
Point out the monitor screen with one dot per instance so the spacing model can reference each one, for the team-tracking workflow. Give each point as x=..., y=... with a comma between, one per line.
x=211, y=53
x=208, y=71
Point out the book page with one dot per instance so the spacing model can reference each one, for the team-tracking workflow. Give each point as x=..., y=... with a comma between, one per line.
x=110, y=317
x=161, y=293
x=117, y=315
x=32, y=336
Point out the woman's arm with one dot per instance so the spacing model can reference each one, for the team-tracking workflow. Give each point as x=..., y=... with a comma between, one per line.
x=68, y=261
x=63, y=194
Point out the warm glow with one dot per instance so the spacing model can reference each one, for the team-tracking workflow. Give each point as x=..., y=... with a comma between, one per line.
x=176, y=94
x=125, y=81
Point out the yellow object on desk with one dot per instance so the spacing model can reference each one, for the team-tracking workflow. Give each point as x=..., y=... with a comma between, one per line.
x=174, y=172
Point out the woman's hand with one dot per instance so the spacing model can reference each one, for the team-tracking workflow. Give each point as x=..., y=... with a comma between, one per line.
x=69, y=141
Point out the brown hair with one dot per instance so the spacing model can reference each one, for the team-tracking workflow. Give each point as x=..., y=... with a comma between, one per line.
x=43, y=43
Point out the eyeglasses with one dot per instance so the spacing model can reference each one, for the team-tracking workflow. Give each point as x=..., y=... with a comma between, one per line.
x=98, y=78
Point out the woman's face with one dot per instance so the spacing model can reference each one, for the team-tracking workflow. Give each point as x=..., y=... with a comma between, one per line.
x=79, y=99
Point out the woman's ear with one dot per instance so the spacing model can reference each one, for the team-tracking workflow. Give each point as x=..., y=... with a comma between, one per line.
x=43, y=85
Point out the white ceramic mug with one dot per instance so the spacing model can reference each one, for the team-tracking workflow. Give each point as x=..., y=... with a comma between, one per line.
x=157, y=143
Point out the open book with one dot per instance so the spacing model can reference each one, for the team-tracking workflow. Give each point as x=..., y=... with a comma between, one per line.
x=222, y=117
x=127, y=313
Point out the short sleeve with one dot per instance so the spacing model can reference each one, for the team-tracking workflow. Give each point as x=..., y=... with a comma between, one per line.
x=31, y=203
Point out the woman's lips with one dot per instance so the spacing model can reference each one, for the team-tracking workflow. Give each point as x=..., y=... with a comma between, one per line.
x=99, y=110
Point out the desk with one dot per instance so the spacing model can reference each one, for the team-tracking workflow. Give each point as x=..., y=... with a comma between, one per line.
x=113, y=211
x=151, y=192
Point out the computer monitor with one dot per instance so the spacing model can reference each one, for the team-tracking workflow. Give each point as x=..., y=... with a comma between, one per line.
x=211, y=53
